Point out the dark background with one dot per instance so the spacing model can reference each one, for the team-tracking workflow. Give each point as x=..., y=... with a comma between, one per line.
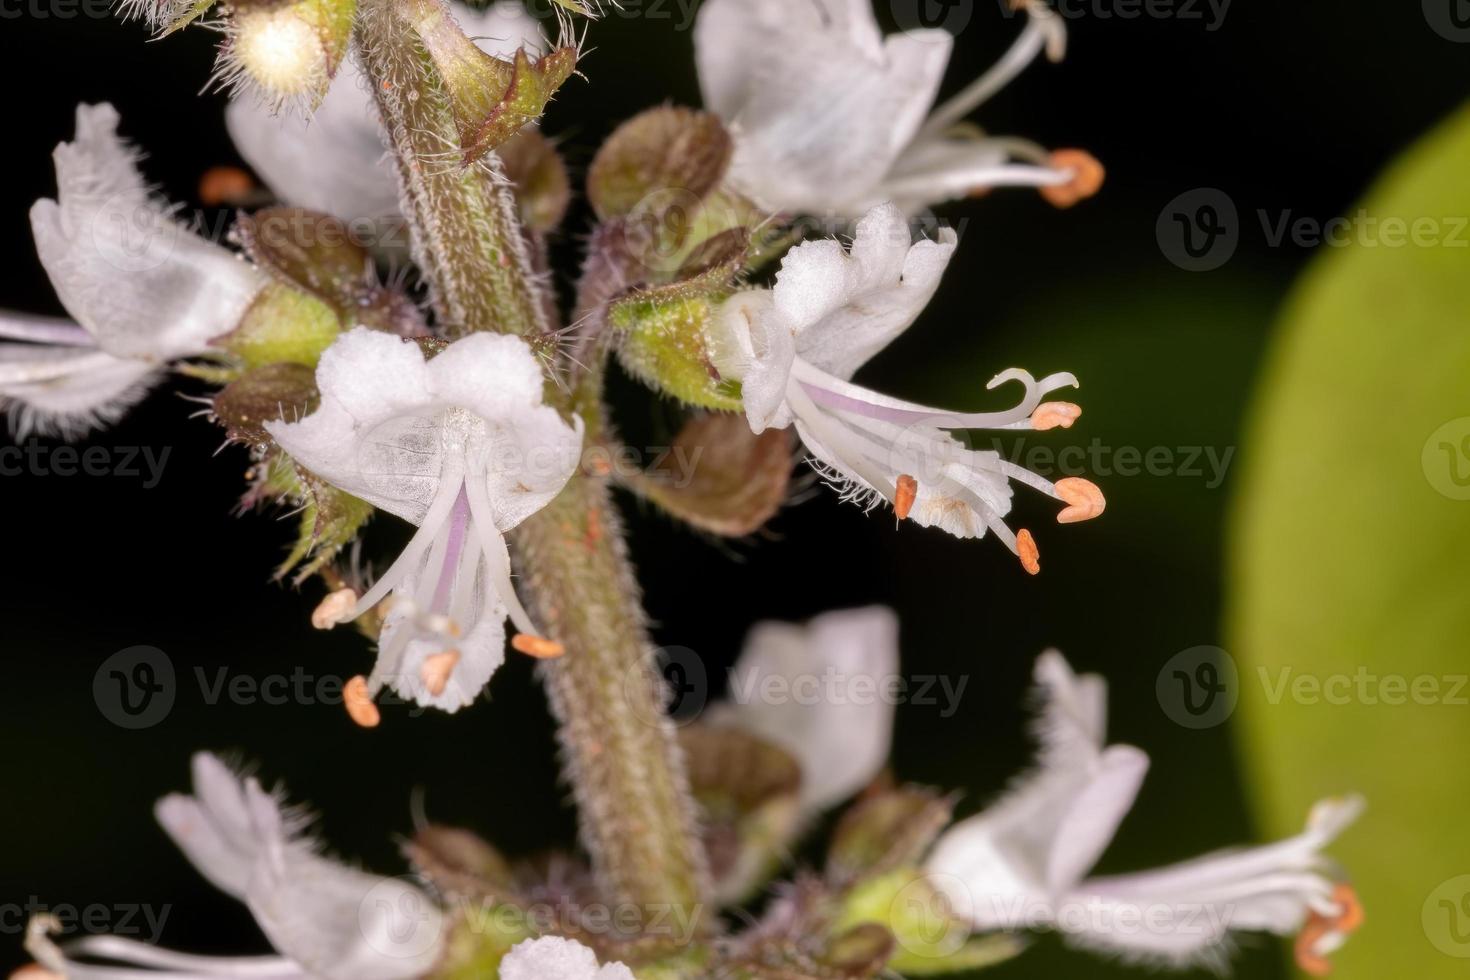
x=1285, y=107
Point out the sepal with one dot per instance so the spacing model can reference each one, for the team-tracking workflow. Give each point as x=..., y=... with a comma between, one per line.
x=748, y=790
x=661, y=332
x=274, y=392
x=886, y=831
x=668, y=150
x=491, y=98
x=319, y=255
x=330, y=519
x=720, y=477
x=282, y=324
x=543, y=187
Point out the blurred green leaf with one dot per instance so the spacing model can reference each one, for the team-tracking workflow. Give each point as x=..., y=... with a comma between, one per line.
x=1349, y=562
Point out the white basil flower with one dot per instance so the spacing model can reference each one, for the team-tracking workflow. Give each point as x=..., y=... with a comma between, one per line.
x=555, y=958
x=822, y=691
x=794, y=347
x=325, y=920
x=831, y=117
x=1023, y=862
x=462, y=446
x=335, y=161
x=143, y=290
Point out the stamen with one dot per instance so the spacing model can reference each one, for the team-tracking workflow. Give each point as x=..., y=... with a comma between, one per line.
x=1084, y=498
x=335, y=609
x=903, y=500
x=1055, y=415
x=359, y=703
x=436, y=669
x=536, y=646
x=1087, y=178
x=1324, y=933
x=1029, y=554
x=1350, y=919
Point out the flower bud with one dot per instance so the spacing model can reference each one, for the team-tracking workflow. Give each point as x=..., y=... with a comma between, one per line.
x=286, y=52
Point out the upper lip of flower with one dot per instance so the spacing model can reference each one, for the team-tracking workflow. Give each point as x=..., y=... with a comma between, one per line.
x=431, y=442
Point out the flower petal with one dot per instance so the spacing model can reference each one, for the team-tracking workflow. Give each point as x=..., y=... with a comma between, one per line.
x=820, y=104
x=137, y=281
x=828, y=705
x=555, y=958
x=848, y=306
x=68, y=390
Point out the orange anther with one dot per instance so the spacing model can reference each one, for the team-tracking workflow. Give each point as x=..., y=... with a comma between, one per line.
x=435, y=671
x=1055, y=415
x=1085, y=501
x=903, y=499
x=1087, y=178
x=336, y=608
x=1029, y=553
x=359, y=703
x=536, y=646
x=35, y=971
x=1351, y=917
x=225, y=185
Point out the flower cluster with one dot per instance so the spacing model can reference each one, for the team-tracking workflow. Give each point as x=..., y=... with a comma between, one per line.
x=465, y=402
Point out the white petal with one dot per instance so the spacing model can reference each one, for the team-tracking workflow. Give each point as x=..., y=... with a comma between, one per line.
x=751, y=342
x=336, y=922
x=138, y=282
x=555, y=958
x=849, y=306
x=833, y=708
x=374, y=434
x=820, y=107
x=481, y=652
x=68, y=391
x=1197, y=904
x=527, y=452
x=213, y=826
x=334, y=162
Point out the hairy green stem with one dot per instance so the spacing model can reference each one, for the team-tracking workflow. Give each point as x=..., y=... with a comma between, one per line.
x=465, y=229
x=620, y=751
x=619, y=747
